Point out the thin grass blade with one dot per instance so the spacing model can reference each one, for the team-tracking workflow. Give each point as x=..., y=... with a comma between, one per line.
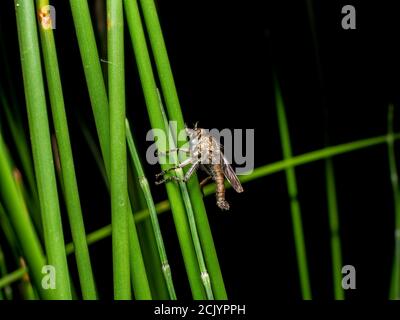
x=294, y=203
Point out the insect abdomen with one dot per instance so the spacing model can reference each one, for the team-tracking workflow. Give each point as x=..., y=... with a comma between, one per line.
x=220, y=187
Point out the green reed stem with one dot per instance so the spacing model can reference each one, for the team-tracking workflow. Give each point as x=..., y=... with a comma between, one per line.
x=157, y=123
x=205, y=277
x=17, y=132
x=21, y=223
x=175, y=114
x=9, y=234
x=144, y=184
x=334, y=230
x=394, y=178
x=70, y=186
x=147, y=238
x=41, y=147
x=90, y=140
x=7, y=294
x=21, y=145
x=294, y=203
x=93, y=73
x=119, y=180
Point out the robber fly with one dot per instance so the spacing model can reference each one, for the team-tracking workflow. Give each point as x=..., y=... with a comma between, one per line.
x=205, y=152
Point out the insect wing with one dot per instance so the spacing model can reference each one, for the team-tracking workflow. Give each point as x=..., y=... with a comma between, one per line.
x=231, y=176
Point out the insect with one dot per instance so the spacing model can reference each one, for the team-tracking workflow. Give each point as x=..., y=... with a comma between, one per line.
x=205, y=152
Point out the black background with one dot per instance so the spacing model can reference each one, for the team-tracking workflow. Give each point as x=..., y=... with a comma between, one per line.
x=223, y=54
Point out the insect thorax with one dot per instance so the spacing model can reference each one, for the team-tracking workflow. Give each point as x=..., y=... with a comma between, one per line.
x=206, y=148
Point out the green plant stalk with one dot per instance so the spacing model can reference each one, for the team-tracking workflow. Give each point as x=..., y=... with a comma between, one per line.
x=70, y=186
x=12, y=277
x=26, y=161
x=394, y=178
x=25, y=286
x=3, y=271
x=15, y=206
x=99, y=102
x=93, y=73
x=139, y=279
x=118, y=173
x=20, y=144
x=27, y=291
x=9, y=234
x=294, y=203
x=147, y=239
x=157, y=123
x=334, y=230
x=312, y=156
x=152, y=261
x=205, y=277
x=40, y=137
x=329, y=172
x=144, y=184
x=95, y=152
x=175, y=113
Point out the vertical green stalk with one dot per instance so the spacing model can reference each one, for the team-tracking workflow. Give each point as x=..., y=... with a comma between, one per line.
x=99, y=102
x=41, y=147
x=334, y=230
x=70, y=185
x=144, y=184
x=329, y=170
x=294, y=203
x=151, y=257
x=157, y=122
x=94, y=149
x=118, y=177
x=147, y=238
x=175, y=114
x=205, y=277
x=27, y=291
x=93, y=73
x=394, y=178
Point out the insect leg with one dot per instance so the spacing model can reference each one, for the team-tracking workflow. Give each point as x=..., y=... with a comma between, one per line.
x=164, y=153
x=203, y=183
x=168, y=179
x=192, y=169
x=181, y=165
